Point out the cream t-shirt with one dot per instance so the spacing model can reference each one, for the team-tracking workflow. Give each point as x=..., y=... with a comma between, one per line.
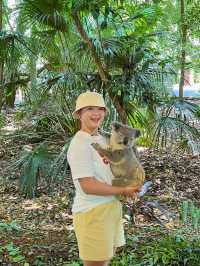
x=84, y=161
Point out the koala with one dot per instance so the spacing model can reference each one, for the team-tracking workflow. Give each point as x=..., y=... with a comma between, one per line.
x=121, y=152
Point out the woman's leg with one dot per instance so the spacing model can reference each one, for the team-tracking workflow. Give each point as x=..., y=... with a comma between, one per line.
x=103, y=222
x=95, y=263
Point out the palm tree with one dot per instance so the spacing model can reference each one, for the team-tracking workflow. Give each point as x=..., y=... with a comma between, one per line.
x=13, y=47
x=103, y=45
x=90, y=22
x=183, y=30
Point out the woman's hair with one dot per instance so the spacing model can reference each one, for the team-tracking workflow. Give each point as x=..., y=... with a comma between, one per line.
x=78, y=124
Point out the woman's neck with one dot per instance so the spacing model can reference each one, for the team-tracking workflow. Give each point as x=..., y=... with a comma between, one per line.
x=92, y=133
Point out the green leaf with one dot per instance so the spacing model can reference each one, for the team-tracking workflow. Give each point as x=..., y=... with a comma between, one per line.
x=18, y=258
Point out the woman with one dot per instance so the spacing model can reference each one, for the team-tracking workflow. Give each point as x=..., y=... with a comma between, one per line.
x=97, y=214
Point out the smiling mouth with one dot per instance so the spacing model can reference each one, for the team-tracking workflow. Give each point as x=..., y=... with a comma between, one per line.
x=95, y=120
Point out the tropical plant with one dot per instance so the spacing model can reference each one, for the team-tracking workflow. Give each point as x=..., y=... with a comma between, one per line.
x=175, y=122
x=14, y=253
x=59, y=168
x=179, y=246
x=13, y=226
x=41, y=167
x=172, y=250
x=190, y=215
x=34, y=165
x=12, y=48
x=115, y=54
x=113, y=47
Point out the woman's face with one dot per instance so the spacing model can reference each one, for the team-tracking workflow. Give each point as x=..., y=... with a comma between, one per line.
x=91, y=118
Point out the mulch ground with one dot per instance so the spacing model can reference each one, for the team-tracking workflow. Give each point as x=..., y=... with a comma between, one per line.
x=42, y=227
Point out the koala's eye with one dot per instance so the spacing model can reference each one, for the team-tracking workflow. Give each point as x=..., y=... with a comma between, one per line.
x=125, y=141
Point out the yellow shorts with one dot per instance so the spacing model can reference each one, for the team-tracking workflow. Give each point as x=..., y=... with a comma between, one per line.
x=99, y=231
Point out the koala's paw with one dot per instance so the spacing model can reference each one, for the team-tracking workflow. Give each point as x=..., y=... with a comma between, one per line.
x=96, y=146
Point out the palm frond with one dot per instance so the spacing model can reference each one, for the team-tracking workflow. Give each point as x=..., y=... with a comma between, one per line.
x=33, y=165
x=48, y=13
x=183, y=109
x=59, y=167
x=136, y=116
x=174, y=122
x=84, y=5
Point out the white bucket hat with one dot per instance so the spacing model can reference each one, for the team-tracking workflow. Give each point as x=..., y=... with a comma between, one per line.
x=88, y=98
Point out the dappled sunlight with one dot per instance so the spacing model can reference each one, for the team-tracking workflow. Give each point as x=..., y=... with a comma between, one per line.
x=31, y=205
x=56, y=227
x=140, y=55
x=8, y=129
x=142, y=149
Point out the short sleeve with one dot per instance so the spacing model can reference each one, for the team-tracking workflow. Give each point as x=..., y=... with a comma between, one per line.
x=80, y=160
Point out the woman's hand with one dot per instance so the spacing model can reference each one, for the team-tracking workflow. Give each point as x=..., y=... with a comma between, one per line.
x=130, y=191
x=92, y=186
x=104, y=158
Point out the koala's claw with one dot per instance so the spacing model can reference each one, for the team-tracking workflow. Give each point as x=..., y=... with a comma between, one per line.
x=96, y=146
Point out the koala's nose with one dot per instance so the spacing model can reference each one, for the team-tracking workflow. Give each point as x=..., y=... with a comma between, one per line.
x=125, y=141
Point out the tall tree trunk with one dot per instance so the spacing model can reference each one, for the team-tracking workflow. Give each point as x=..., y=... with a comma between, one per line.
x=1, y=14
x=1, y=60
x=183, y=31
x=101, y=68
x=10, y=98
x=97, y=61
x=10, y=92
x=1, y=85
x=33, y=72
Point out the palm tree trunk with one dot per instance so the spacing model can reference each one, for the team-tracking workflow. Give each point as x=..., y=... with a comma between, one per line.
x=1, y=61
x=1, y=86
x=1, y=15
x=102, y=72
x=101, y=69
x=183, y=29
x=11, y=92
x=33, y=71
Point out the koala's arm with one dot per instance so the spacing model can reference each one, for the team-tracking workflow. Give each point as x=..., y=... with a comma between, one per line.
x=113, y=156
x=102, y=151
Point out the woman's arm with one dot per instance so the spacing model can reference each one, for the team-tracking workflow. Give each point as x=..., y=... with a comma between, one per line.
x=90, y=185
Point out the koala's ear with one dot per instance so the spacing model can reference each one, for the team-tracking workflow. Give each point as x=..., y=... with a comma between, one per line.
x=105, y=133
x=136, y=133
x=116, y=125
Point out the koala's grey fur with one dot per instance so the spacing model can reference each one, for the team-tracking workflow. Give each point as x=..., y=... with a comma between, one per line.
x=124, y=161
